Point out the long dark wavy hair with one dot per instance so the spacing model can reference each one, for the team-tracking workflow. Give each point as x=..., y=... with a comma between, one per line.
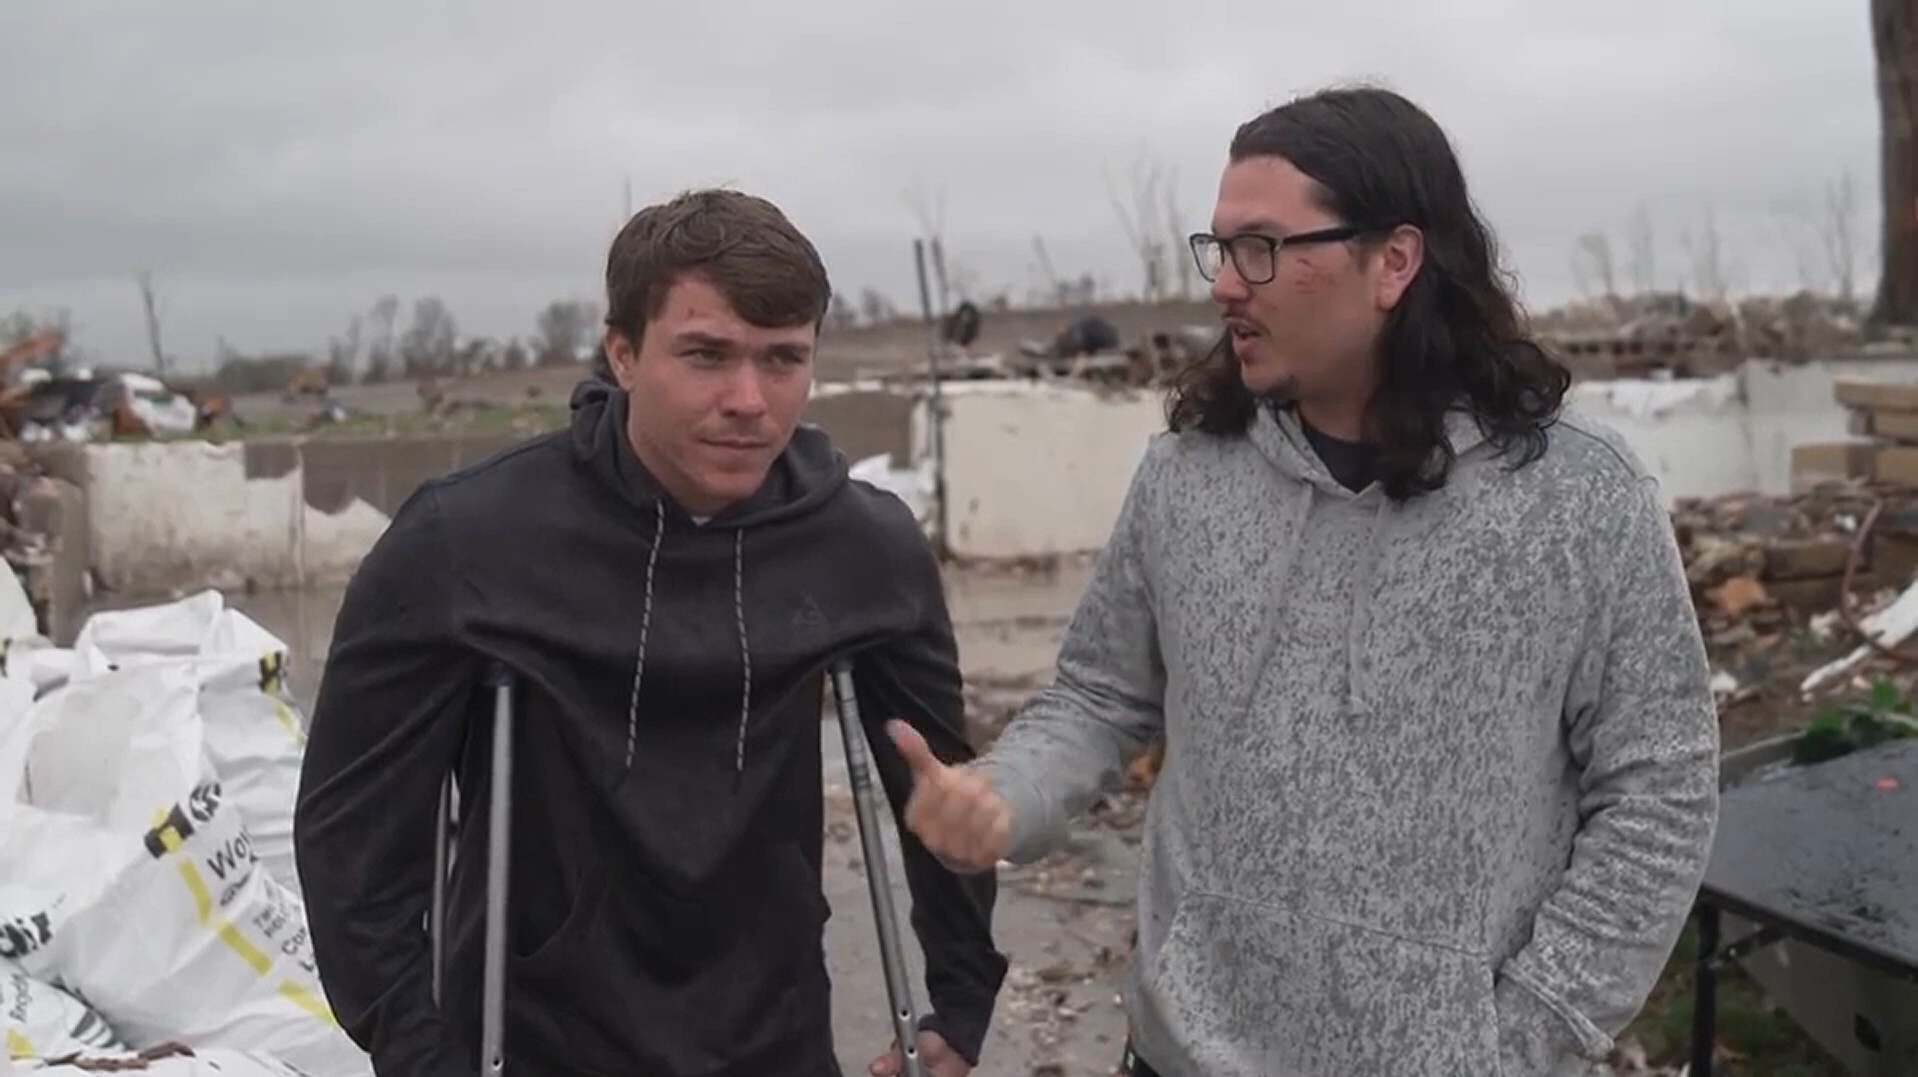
x=1455, y=339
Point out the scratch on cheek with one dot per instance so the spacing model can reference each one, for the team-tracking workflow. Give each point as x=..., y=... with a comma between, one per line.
x=1311, y=279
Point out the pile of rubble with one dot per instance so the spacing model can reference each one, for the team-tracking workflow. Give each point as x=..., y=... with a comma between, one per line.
x=1765, y=562
x=1639, y=335
x=43, y=398
x=1088, y=348
x=1769, y=576
x=1793, y=591
x=1883, y=420
x=37, y=514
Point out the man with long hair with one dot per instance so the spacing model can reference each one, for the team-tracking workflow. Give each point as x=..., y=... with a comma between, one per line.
x=1441, y=752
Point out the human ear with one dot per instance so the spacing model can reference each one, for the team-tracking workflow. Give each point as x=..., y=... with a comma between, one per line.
x=622, y=356
x=1401, y=256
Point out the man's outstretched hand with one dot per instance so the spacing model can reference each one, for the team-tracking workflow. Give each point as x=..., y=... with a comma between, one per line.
x=936, y=1057
x=952, y=809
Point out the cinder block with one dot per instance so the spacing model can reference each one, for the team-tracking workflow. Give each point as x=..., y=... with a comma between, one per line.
x=1803, y=559
x=1830, y=461
x=1877, y=395
x=1887, y=425
x=1896, y=464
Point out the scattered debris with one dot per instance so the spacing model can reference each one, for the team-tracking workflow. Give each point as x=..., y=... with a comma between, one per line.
x=1765, y=560
x=1087, y=348
x=1629, y=1059
x=1676, y=335
x=1769, y=579
x=43, y=403
x=1882, y=631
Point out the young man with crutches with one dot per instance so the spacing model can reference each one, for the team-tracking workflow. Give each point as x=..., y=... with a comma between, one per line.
x=667, y=588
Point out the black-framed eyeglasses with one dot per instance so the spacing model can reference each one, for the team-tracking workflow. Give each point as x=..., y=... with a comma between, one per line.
x=1255, y=257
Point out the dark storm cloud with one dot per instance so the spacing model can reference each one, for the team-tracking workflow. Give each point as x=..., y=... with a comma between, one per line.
x=277, y=166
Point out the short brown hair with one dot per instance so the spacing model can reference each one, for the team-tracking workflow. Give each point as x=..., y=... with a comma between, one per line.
x=744, y=245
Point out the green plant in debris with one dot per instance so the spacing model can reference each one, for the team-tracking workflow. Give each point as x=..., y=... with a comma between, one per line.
x=1883, y=715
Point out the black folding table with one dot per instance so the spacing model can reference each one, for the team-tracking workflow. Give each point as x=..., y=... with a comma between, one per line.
x=1824, y=855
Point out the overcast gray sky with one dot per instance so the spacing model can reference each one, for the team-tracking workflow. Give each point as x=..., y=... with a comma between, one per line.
x=279, y=166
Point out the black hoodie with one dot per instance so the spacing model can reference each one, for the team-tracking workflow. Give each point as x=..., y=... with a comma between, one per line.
x=666, y=907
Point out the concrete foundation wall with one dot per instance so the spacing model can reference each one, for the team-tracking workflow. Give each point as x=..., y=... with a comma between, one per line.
x=264, y=514
x=1706, y=437
x=1036, y=471
x=1030, y=470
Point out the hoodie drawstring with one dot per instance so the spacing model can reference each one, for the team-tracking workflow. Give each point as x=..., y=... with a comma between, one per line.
x=645, y=627
x=739, y=623
x=745, y=654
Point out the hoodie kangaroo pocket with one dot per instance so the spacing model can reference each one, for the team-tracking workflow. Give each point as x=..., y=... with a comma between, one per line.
x=549, y=989
x=565, y=940
x=1257, y=990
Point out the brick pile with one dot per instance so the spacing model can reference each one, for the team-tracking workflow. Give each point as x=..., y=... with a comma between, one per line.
x=1883, y=448
x=1764, y=562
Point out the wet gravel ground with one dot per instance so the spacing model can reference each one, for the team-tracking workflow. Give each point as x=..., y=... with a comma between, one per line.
x=1064, y=924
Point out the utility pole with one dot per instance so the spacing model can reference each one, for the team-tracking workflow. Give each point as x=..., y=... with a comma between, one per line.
x=936, y=407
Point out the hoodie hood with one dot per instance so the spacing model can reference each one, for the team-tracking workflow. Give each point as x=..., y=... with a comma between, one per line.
x=1279, y=434
x=802, y=479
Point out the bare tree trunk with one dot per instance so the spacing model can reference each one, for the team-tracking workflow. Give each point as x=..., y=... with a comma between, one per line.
x=1894, y=35
x=151, y=302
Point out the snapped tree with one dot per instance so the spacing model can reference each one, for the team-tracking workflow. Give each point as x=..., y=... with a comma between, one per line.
x=1894, y=36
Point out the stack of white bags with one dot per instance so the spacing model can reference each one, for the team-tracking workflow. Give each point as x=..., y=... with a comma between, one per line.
x=148, y=898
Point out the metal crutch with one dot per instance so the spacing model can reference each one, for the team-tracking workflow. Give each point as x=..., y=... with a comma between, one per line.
x=442, y=868
x=499, y=846
x=905, y=1018
x=498, y=853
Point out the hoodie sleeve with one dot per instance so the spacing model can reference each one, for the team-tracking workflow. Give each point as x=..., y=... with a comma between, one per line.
x=916, y=677
x=1643, y=729
x=1104, y=706
x=384, y=733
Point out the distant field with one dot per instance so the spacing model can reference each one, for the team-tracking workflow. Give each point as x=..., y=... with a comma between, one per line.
x=843, y=354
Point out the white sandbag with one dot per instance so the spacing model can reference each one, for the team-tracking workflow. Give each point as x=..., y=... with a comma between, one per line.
x=41, y=664
x=178, y=629
x=127, y=875
x=38, y=1020
x=184, y=1062
x=254, y=733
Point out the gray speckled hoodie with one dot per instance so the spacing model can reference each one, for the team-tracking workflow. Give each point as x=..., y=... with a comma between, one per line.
x=1441, y=777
